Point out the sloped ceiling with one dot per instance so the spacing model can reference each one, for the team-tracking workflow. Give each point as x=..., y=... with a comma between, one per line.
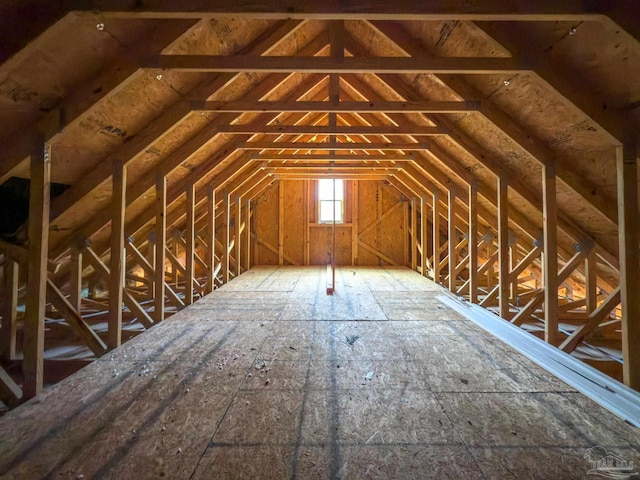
x=125, y=83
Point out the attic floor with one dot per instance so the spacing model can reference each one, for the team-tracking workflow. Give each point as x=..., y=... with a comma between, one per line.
x=259, y=380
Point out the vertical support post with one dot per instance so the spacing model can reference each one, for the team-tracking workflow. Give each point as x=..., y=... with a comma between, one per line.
x=405, y=228
x=75, y=277
x=473, y=241
x=414, y=235
x=117, y=259
x=190, y=244
x=173, y=245
x=151, y=258
x=236, y=231
x=591, y=275
x=39, y=204
x=9, y=306
x=161, y=244
x=424, y=234
x=247, y=227
x=305, y=221
x=550, y=254
x=280, y=223
x=451, y=224
x=354, y=223
x=513, y=261
x=435, y=222
x=628, y=240
x=503, y=246
x=226, y=219
x=211, y=238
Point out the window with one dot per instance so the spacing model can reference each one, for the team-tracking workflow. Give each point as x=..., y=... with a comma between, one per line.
x=330, y=204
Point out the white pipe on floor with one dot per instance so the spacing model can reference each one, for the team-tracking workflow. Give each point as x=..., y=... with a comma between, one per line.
x=611, y=394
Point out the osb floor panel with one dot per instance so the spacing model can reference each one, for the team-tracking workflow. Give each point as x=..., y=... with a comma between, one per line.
x=258, y=380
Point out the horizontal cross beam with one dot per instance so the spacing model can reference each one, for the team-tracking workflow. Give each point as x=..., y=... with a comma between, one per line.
x=434, y=10
x=334, y=158
x=330, y=147
x=328, y=130
x=309, y=64
x=387, y=106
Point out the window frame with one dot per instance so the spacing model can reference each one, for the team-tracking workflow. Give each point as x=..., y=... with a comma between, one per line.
x=337, y=212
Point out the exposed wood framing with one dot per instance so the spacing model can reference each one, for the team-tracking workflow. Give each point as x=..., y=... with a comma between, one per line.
x=117, y=260
x=473, y=241
x=629, y=239
x=190, y=245
x=550, y=255
x=39, y=202
x=503, y=247
x=9, y=309
x=452, y=239
x=160, y=232
x=247, y=141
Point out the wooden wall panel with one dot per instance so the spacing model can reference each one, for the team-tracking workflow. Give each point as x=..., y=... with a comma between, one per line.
x=266, y=227
x=381, y=221
x=294, y=203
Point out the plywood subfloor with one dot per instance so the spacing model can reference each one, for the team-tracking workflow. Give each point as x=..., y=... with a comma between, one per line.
x=259, y=380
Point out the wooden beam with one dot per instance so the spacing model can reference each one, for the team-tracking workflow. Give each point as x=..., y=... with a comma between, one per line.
x=211, y=238
x=237, y=236
x=172, y=116
x=337, y=157
x=161, y=243
x=346, y=146
x=473, y=241
x=437, y=10
x=190, y=245
x=594, y=319
x=9, y=309
x=308, y=64
x=414, y=234
x=10, y=392
x=226, y=219
x=451, y=225
x=75, y=321
x=353, y=166
x=378, y=253
x=550, y=254
x=513, y=274
x=423, y=233
x=280, y=223
x=279, y=106
x=247, y=241
x=503, y=246
x=591, y=276
x=75, y=277
x=39, y=202
x=19, y=253
x=252, y=129
x=127, y=298
x=628, y=240
x=522, y=136
x=435, y=222
x=117, y=260
x=563, y=274
x=355, y=222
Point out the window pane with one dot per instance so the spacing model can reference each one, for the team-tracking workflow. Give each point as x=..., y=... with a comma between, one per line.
x=339, y=190
x=325, y=189
x=326, y=201
x=326, y=211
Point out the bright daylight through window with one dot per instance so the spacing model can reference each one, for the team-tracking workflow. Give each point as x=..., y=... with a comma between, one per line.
x=330, y=200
